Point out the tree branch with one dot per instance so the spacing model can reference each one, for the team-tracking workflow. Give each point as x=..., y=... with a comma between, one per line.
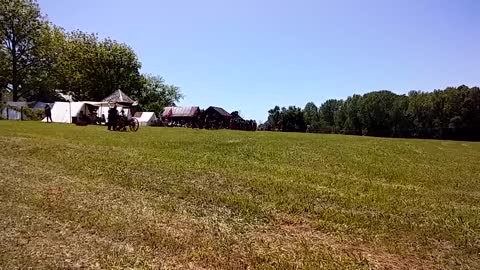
x=25, y=66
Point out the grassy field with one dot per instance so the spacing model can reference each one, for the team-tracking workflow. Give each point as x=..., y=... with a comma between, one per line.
x=192, y=199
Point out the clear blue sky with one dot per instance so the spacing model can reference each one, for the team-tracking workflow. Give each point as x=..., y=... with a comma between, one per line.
x=251, y=55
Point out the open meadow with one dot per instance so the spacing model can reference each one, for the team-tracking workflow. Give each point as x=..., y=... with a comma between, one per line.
x=198, y=199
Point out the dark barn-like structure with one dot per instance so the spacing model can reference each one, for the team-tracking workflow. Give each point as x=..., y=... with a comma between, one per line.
x=215, y=117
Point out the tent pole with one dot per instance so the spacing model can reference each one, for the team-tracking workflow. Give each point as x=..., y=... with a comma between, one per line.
x=70, y=105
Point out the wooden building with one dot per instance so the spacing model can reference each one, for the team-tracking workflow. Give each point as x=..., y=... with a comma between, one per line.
x=215, y=117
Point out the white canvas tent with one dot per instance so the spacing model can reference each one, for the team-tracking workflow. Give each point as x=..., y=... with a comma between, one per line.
x=62, y=112
x=146, y=118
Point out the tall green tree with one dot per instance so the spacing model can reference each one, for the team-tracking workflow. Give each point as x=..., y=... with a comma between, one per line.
x=376, y=111
x=44, y=77
x=286, y=119
x=92, y=68
x=310, y=113
x=452, y=113
x=21, y=26
x=118, y=67
x=313, y=119
x=293, y=119
x=328, y=111
x=420, y=112
x=275, y=118
x=353, y=123
x=400, y=122
x=155, y=94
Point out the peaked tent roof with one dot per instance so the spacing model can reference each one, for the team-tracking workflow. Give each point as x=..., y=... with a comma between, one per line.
x=118, y=97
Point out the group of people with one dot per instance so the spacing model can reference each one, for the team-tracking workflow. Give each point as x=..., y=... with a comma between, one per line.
x=117, y=122
x=90, y=119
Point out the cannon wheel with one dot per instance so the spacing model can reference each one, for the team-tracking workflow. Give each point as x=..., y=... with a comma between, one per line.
x=134, y=124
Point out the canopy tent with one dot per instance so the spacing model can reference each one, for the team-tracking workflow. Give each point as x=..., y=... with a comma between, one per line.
x=121, y=98
x=146, y=118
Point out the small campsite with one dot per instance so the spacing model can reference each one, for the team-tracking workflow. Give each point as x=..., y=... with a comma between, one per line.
x=83, y=197
x=239, y=135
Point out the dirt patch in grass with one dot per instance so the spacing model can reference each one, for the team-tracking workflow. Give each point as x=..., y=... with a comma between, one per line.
x=296, y=235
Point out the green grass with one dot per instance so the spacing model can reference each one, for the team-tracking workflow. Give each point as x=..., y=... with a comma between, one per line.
x=180, y=198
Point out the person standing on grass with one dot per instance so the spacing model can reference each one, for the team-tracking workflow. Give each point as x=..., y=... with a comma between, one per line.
x=48, y=113
x=112, y=118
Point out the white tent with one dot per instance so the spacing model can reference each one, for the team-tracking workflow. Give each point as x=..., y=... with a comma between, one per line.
x=146, y=118
x=62, y=112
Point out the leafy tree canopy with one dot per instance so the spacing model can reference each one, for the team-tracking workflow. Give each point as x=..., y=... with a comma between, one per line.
x=450, y=113
x=39, y=59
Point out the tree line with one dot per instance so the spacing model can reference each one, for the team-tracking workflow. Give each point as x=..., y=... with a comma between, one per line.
x=452, y=113
x=39, y=60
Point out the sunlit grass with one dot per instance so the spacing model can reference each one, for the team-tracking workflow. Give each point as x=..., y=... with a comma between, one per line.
x=180, y=198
